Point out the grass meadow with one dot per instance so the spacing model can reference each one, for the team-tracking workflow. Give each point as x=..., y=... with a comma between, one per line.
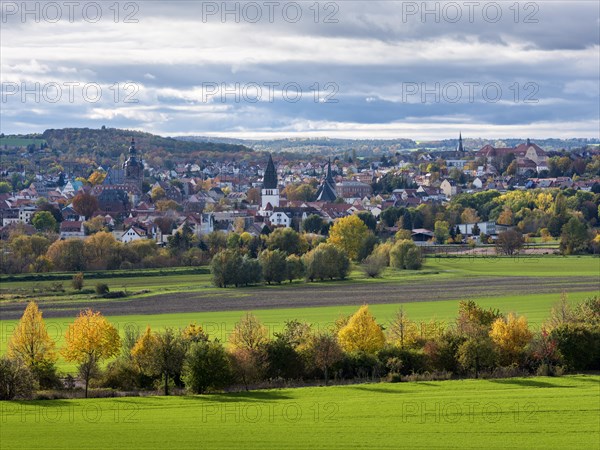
x=505, y=413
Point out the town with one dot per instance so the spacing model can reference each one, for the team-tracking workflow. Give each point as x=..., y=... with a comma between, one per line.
x=433, y=195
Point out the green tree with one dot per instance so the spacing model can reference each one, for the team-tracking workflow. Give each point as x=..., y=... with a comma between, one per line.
x=294, y=268
x=477, y=354
x=44, y=221
x=574, y=237
x=326, y=261
x=206, y=366
x=274, y=265
x=287, y=240
x=312, y=224
x=224, y=268
x=405, y=255
x=441, y=231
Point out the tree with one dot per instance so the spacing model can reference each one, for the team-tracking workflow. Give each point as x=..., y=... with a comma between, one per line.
x=373, y=265
x=362, y=333
x=248, y=345
x=89, y=340
x=274, y=265
x=326, y=261
x=294, y=268
x=5, y=187
x=369, y=219
x=402, y=331
x=94, y=225
x=312, y=224
x=85, y=204
x=67, y=255
x=206, y=366
x=224, y=268
x=160, y=354
x=441, y=231
x=476, y=353
x=511, y=335
x=579, y=345
x=348, y=234
x=509, y=242
x=323, y=351
x=99, y=248
x=574, y=237
x=77, y=281
x=469, y=215
x=157, y=193
x=287, y=240
x=44, y=221
x=31, y=343
x=405, y=255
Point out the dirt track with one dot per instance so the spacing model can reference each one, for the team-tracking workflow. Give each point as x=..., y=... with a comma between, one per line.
x=317, y=294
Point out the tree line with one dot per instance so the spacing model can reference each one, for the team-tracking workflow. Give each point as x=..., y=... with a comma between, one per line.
x=479, y=342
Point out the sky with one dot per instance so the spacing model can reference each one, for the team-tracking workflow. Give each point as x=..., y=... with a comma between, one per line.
x=344, y=69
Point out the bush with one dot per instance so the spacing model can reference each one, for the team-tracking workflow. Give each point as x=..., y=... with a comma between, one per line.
x=410, y=360
x=579, y=345
x=16, y=380
x=360, y=365
x=77, y=281
x=102, y=288
x=405, y=255
x=373, y=265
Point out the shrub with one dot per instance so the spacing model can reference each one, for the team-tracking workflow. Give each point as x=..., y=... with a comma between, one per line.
x=77, y=281
x=16, y=380
x=405, y=255
x=373, y=265
x=102, y=288
x=579, y=345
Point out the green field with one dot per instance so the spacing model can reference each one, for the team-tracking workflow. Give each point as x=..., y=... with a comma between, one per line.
x=20, y=142
x=508, y=413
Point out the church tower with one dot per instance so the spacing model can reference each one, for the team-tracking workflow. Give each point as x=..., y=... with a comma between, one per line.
x=133, y=168
x=270, y=191
x=327, y=191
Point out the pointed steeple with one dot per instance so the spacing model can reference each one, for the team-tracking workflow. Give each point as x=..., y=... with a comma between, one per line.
x=329, y=177
x=460, y=148
x=270, y=178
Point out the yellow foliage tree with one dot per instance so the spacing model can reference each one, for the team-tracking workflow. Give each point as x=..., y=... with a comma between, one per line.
x=249, y=334
x=88, y=340
x=30, y=342
x=348, y=234
x=362, y=333
x=96, y=178
x=511, y=335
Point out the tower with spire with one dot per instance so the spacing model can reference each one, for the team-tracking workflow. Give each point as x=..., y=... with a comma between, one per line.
x=326, y=191
x=270, y=190
x=133, y=168
x=459, y=147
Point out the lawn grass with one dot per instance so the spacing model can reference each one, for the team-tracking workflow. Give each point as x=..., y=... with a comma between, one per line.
x=508, y=413
x=220, y=324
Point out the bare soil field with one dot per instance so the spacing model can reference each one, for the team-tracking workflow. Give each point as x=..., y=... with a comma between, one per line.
x=316, y=294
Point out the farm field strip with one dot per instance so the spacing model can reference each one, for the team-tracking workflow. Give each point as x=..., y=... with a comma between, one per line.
x=536, y=412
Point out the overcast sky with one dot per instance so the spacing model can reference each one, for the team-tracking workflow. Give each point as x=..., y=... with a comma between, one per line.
x=285, y=69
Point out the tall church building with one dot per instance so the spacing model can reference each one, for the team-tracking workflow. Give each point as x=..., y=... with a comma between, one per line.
x=270, y=190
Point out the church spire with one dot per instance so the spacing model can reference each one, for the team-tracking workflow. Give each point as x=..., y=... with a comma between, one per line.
x=329, y=177
x=270, y=178
x=460, y=147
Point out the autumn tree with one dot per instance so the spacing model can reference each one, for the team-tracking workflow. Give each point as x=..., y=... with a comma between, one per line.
x=509, y=242
x=89, y=340
x=469, y=215
x=247, y=348
x=362, y=333
x=441, y=231
x=67, y=255
x=99, y=248
x=157, y=193
x=510, y=335
x=31, y=344
x=402, y=331
x=348, y=234
x=85, y=204
x=77, y=281
x=323, y=351
x=160, y=354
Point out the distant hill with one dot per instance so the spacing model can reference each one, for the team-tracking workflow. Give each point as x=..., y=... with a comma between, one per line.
x=112, y=142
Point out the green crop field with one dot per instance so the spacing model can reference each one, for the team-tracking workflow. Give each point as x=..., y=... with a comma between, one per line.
x=505, y=413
